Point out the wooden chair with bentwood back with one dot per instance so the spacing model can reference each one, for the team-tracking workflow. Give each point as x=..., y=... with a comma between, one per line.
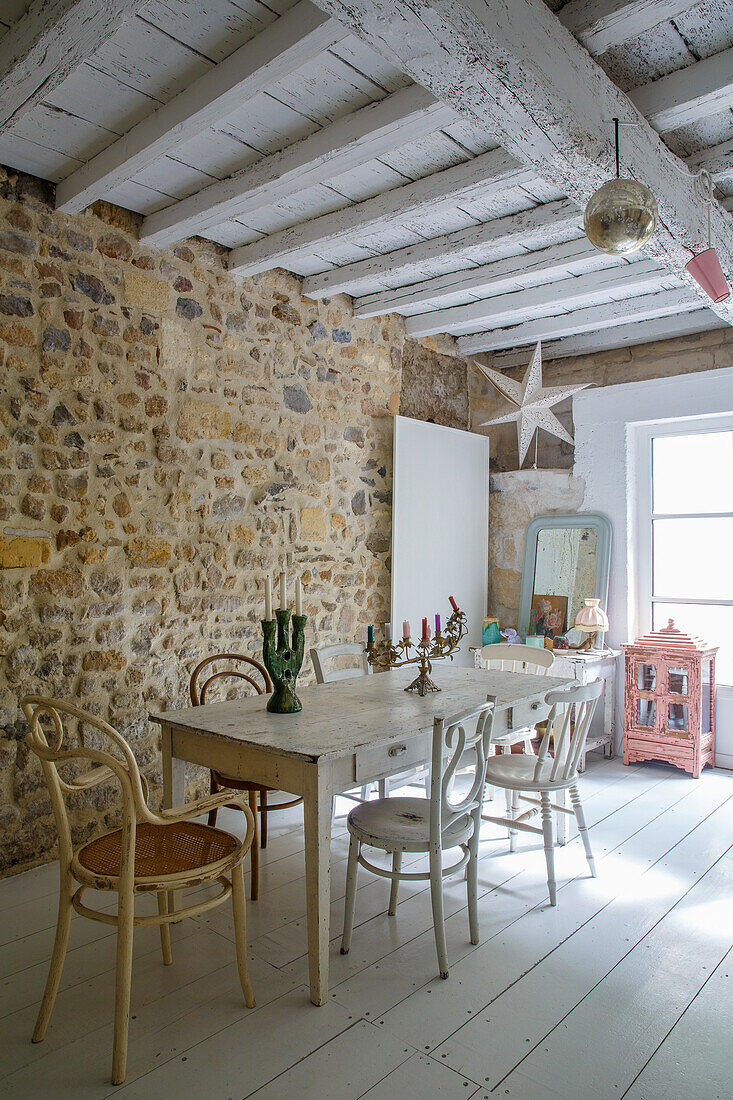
x=201, y=679
x=151, y=853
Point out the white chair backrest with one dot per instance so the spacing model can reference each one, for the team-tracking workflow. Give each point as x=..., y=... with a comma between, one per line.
x=568, y=723
x=453, y=741
x=515, y=658
x=359, y=665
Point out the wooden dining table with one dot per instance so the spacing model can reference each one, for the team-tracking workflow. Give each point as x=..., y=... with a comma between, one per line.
x=349, y=733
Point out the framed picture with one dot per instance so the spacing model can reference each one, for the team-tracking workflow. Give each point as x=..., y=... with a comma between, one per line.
x=491, y=632
x=552, y=613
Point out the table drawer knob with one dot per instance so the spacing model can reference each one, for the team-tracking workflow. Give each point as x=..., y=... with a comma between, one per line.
x=397, y=750
x=534, y=706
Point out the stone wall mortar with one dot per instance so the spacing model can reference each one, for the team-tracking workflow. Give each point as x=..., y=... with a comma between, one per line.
x=167, y=435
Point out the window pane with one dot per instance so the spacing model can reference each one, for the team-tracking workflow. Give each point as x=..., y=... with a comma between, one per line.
x=714, y=624
x=693, y=473
x=692, y=558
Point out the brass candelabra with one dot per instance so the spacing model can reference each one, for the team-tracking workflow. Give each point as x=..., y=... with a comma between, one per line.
x=444, y=643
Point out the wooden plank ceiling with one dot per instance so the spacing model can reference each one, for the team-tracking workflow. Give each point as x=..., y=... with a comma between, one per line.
x=300, y=141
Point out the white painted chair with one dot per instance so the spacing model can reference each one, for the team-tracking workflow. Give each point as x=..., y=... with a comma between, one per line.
x=433, y=826
x=151, y=853
x=543, y=775
x=326, y=673
x=514, y=658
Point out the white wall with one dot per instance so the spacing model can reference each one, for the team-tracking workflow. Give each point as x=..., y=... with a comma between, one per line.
x=440, y=527
x=604, y=421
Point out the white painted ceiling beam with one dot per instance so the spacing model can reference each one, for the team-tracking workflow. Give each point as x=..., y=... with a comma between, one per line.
x=293, y=40
x=570, y=258
x=549, y=103
x=637, y=332
x=49, y=42
x=718, y=160
x=462, y=246
x=348, y=142
x=664, y=304
x=481, y=178
x=687, y=95
x=578, y=292
x=601, y=24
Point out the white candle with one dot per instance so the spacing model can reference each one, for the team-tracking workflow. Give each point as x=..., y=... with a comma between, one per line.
x=268, y=598
x=298, y=597
x=388, y=632
x=283, y=590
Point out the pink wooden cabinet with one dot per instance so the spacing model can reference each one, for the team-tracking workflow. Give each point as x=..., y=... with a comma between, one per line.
x=669, y=711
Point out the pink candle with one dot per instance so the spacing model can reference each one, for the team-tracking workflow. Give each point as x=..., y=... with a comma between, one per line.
x=453, y=603
x=425, y=629
x=437, y=624
x=406, y=630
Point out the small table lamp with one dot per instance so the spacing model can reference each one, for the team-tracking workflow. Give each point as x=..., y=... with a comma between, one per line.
x=592, y=620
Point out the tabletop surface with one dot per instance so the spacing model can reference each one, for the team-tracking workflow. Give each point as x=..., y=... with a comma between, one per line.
x=342, y=717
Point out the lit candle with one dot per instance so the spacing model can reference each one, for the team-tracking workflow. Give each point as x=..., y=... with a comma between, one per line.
x=268, y=598
x=370, y=636
x=406, y=630
x=453, y=603
x=283, y=590
x=298, y=597
x=425, y=630
x=437, y=624
x=388, y=632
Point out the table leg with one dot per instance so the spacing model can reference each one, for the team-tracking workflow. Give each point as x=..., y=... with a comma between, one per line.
x=317, y=804
x=174, y=793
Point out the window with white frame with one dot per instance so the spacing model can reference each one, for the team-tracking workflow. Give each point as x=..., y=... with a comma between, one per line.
x=685, y=550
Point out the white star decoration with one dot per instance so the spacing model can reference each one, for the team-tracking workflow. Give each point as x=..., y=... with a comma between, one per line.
x=532, y=403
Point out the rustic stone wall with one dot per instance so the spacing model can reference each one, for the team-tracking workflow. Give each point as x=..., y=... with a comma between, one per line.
x=167, y=434
x=434, y=386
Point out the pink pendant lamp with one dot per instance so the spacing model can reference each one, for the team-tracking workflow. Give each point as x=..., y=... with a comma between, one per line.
x=705, y=268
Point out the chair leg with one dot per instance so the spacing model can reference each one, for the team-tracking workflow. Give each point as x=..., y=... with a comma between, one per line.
x=239, y=911
x=547, y=832
x=472, y=882
x=63, y=924
x=254, y=852
x=436, y=897
x=396, y=865
x=511, y=832
x=165, y=928
x=263, y=817
x=125, y=929
x=383, y=788
x=364, y=792
x=213, y=789
x=583, y=829
x=350, y=899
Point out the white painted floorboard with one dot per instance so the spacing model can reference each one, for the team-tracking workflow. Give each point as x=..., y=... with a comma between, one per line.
x=624, y=990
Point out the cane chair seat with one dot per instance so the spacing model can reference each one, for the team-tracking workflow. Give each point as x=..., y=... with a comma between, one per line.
x=183, y=849
x=404, y=823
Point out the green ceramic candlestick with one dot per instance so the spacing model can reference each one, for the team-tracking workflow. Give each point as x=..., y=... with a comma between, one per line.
x=283, y=660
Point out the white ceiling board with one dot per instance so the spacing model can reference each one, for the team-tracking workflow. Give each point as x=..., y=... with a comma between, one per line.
x=366, y=180
x=150, y=61
x=233, y=233
x=60, y=132
x=340, y=252
x=138, y=197
x=511, y=201
x=102, y=99
x=216, y=153
x=653, y=54
x=36, y=160
x=707, y=27
x=472, y=138
x=700, y=135
x=267, y=125
x=173, y=177
x=214, y=29
x=419, y=158
x=326, y=89
x=369, y=63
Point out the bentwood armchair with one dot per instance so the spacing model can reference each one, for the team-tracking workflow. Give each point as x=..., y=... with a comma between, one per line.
x=151, y=853
x=256, y=676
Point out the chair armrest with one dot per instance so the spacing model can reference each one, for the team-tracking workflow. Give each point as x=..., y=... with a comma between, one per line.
x=203, y=805
x=92, y=778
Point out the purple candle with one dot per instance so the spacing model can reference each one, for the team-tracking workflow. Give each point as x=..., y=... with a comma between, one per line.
x=437, y=624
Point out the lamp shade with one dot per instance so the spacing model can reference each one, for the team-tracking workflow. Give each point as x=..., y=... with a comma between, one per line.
x=591, y=618
x=706, y=271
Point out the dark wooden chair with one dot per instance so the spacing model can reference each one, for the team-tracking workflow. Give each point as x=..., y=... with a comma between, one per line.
x=201, y=679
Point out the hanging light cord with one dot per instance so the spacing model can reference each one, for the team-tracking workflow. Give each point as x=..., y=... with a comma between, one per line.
x=618, y=157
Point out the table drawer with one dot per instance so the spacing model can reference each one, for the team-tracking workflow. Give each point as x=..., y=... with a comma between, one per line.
x=526, y=714
x=378, y=761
